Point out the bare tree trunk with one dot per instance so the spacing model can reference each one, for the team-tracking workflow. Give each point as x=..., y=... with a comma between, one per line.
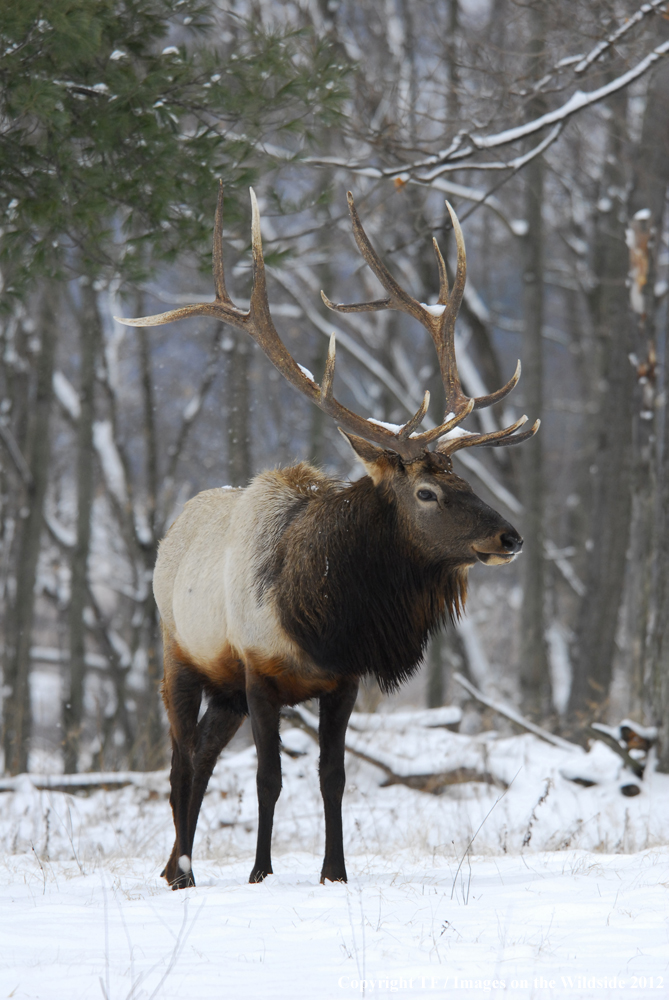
x=610, y=515
x=239, y=451
x=153, y=750
x=534, y=677
x=90, y=337
x=435, y=673
x=648, y=568
x=17, y=715
x=659, y=639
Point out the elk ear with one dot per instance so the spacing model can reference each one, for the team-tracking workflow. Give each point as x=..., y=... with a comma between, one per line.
x=377, y=462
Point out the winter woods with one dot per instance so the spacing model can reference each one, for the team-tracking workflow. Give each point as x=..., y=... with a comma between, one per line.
x=547, y=126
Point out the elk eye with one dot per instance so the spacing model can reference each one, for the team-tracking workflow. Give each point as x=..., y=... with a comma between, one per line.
x=426, y=495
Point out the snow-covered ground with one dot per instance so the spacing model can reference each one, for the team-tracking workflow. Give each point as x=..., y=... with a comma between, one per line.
x=564, y=890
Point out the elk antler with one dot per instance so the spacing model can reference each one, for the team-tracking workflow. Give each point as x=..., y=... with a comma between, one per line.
x=439, y=321
x=258, y=323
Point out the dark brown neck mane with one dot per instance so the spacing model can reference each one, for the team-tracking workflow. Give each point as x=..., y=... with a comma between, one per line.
x=352, y=590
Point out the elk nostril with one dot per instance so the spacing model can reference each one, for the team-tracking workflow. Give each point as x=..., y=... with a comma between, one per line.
x=512, y=543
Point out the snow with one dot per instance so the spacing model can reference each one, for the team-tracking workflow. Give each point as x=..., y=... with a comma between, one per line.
x=394, y=428
x=579, y=99
x=305, y=371
x=435, y=310
x=562, y=883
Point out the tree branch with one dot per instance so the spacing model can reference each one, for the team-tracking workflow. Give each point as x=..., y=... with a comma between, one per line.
x=510, y=713
x=16, y=456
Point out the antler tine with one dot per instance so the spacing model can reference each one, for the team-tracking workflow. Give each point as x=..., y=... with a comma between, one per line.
x=495, y=439
x=494, y=397
x=328, y=374
x=259, y=323
x=217, y=251
x=458, y=290
x=517, y=438
x=184, y=312
x=387, y=438
x=223, y=308
x=443, y=332
x=417, y=418
x=443, y=275
x=356, y=307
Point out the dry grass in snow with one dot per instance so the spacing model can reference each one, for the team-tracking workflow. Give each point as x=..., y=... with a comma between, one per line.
x=545, y=889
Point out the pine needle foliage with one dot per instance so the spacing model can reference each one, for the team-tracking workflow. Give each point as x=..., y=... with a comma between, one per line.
x=117, y=117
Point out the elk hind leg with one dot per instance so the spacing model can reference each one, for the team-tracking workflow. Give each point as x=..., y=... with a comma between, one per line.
x=264, y=708
x=182, y=693
x=216, y=728
x=335, y=711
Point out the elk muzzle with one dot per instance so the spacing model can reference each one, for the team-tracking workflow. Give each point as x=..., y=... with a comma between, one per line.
x=503, y=548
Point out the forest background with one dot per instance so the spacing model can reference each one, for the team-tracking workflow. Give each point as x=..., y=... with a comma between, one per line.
x=546, y=125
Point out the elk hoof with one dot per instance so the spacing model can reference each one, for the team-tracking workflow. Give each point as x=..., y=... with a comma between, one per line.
x=258, y=874
x=333, y=875
x=184, y=880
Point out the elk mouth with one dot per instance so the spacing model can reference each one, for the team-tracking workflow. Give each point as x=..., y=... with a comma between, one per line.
x=494, y=558
x=509, y=544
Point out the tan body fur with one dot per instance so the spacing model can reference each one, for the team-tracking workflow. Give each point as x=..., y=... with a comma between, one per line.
x=205, y=586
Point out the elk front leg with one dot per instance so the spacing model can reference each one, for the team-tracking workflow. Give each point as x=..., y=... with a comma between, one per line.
x=335, y=711
x=264, y=708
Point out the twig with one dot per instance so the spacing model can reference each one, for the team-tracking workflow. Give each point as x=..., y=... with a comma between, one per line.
x=480, y=827
x=510, y=713
x=179, y=945
x=39, y=862
x=528, y=836
x=79, y=782
x=16, y=454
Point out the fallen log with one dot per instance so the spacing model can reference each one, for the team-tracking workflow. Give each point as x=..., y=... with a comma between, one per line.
x=93, y=781
x=433, y=783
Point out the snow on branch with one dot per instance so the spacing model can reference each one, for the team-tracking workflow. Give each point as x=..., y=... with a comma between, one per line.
x=464, y=146
x=515, y=164
x=598, y=51
x=577, y=102
x=579, y=64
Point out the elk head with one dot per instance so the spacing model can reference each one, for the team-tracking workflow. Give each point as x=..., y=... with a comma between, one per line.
x=445, y=520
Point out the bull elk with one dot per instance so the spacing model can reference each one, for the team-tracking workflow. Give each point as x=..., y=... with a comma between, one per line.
x=298, y=585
